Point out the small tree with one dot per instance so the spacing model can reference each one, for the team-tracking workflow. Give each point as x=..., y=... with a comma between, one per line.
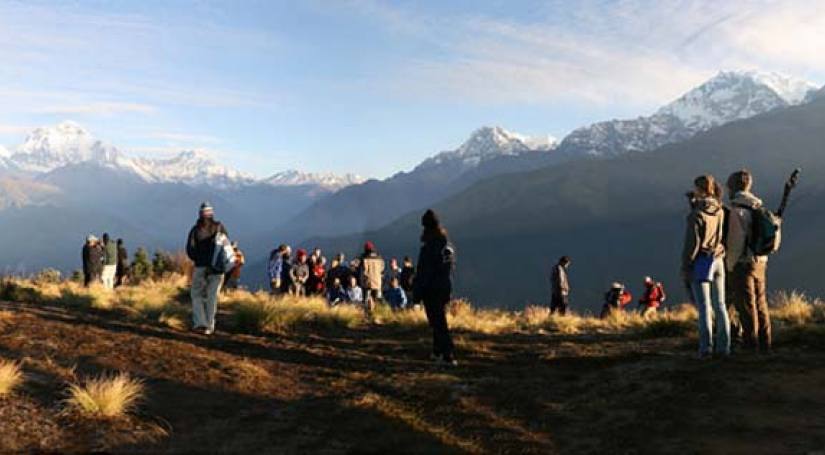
x=162, y=264
x=77, y=276
x=141, y=266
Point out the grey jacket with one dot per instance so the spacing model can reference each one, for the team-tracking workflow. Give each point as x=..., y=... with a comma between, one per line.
x=559, y=281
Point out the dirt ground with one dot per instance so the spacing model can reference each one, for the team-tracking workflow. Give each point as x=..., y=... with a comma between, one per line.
x=373, y=390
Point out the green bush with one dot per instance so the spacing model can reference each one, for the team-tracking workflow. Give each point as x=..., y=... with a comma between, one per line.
x=141, y=266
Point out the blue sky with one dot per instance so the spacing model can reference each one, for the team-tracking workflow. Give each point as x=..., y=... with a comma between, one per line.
x=368, y=86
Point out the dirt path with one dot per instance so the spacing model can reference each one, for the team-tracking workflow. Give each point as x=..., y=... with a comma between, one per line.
x=372, y=391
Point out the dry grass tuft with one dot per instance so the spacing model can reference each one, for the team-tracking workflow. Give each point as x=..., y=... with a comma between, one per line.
x=11, y=376
x=795, y=308
x=106, y=396
x=259, y=312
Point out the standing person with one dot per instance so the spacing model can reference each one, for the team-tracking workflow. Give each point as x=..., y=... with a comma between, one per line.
x=703, y=263
x=615, y=299
x=206, y=283
x=319, y=276
x=652, y=298
x=92, y=261
x=407, y=277
x=559, y=298
x=339, y=269
x=277, y=268
x=748, y=271
x=233, y=277
x=122, y=271
x=371, y=272
x=393, y=271
x=299, y=274
x=109, y=262
x=434, y=285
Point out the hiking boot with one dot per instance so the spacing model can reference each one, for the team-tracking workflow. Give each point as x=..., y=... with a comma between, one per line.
x=208, y=331
x=449, y=361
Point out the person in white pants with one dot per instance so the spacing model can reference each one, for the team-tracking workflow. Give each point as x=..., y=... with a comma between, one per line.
x=109, y=262
x=206, y=283
x=205, y=289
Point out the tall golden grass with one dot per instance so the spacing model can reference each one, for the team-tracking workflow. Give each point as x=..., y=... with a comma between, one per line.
x=11, y=376
x=166, y=301
x=106, y=396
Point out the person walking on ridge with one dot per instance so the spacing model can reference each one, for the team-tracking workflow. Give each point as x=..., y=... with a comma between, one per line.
x=652, y=298
x=122, y=271
x=109, y=262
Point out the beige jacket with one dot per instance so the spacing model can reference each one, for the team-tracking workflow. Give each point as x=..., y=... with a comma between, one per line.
x=739, y=230
x=372, y=270
x=705, y=228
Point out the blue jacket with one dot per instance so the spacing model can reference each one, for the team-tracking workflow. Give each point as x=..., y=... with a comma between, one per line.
x=396, y=297
x=337, y=295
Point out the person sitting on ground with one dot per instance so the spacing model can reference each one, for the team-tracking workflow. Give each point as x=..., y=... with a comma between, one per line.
x=339, y=269
x=336, y=294
x=206, y=284
x=615, y=299
x=299, y=274
x=396, y=296
x=653, y=297
x=92, y=261
x=372, y=272
x=122, y=271
x=560, y=287
x=354, y=293
x=233, y=277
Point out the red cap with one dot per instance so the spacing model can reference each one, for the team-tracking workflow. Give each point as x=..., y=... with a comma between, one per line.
x=302, y=253
x=369, y=246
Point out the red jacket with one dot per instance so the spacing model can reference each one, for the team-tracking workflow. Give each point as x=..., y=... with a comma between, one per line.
x=653, y=296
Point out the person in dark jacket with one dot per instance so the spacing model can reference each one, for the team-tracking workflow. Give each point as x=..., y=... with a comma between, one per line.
x=560, y=287
x=206, y=282
x=407, y=277
x=615, y=299
x=109, y=262
x=92, y=261
x=434, y=285
x=122, y=263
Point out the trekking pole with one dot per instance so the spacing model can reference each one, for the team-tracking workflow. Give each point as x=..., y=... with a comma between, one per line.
x=793, y=180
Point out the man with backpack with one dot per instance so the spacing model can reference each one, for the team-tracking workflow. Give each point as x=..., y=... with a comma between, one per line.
x=109, y=262
x=751, y=235
x=652, y=298
x=371, y=273
x=202, y=248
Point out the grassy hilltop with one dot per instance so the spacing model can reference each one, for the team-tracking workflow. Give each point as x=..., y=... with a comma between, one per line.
x=118, y=371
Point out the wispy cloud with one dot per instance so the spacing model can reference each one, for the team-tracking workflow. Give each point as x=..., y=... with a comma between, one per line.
x=604, y=52
x=183, y=137
x=97, y=108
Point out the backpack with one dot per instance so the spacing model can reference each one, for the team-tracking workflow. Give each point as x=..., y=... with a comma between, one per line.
x=448, y=256
x=766, y=232
x=223, y=258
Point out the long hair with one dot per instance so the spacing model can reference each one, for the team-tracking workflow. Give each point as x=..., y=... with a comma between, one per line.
x=707, y=186
x=432, y=227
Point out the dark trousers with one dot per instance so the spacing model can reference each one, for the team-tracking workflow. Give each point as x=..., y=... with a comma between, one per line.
x=436, y=308
x=559, y=303
x=751, y=301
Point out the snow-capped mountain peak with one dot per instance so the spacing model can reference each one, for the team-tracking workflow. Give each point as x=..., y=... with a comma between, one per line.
x=326, y=180
x=489, y=142
x=48, y=148
x=193, y=167
x=734, y=95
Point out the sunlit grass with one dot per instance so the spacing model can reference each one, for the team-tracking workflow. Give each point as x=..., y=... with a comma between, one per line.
x=259, y=312
x=106, y=396
x=795, y=308
x=11, y=376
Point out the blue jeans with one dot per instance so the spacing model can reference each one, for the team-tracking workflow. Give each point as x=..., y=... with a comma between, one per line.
x=708, y=308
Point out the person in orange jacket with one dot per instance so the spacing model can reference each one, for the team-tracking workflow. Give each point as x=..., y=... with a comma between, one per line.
x=615, y=299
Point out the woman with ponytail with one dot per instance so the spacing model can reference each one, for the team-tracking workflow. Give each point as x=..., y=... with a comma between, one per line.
x=703, y=264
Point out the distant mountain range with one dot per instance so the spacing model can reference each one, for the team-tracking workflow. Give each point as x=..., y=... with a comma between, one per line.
x=63, y=172
x=622, y=218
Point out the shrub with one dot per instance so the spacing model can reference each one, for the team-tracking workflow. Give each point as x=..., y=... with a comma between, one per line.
x=411, y=318
x=162, y=265
x=141, y=268
x=106, y=396
x=77, y=277
x=11, y=376
x=261, y=313
x=16, y=290
x=48, y=276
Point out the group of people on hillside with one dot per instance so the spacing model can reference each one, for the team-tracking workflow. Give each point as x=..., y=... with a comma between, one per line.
x=615, y=299
x=360, y=281
x=724, y=272
x=104, y=261
x=364, y=280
